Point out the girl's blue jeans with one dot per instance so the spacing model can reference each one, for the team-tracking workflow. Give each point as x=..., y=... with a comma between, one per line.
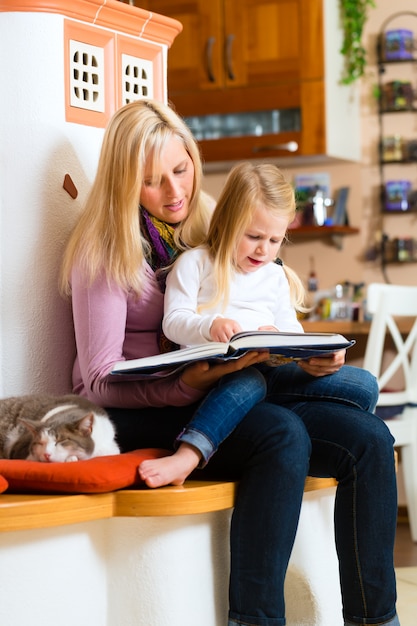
x=235, y=395
x=350, y=385
x=270, y=452
x=223, y=408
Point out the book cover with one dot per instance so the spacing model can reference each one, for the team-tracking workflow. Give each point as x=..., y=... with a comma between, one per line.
x=283, y=347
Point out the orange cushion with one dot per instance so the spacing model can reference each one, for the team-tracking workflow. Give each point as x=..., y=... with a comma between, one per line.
x=3, y=484
x=98, y=475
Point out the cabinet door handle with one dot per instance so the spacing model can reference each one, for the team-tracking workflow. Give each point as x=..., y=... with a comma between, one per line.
x=209, y=58
x=229, y=57
x=290, y=146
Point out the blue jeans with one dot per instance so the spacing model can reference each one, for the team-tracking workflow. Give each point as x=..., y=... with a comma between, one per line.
x=321, y=439
x=223, y=408
x=350, y=385
x=227, y=404
x=270, y=452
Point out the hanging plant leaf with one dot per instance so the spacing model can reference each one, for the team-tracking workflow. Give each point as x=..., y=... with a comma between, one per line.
x=354, y=14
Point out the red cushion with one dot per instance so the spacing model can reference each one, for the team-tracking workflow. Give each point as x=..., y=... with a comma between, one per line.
x=98, y=475
x=3, y=484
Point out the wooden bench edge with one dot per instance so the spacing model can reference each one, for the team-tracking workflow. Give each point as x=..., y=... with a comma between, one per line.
x=191, y=498
x=313, y=484
x=26, y=512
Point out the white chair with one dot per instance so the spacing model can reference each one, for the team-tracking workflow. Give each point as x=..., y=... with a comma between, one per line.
x=397, y=375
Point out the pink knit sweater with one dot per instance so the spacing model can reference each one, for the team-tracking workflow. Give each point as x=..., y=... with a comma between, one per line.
x=112, y=325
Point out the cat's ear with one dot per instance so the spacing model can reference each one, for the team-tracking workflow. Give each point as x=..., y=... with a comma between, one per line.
x=30, y=425
x=85, y=424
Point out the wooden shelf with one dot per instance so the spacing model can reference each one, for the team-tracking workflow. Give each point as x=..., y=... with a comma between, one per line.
x=336, y=233
x=405, y=262
x=392, y=61
x=404, y=110
x=323, y=231
x=398, y=211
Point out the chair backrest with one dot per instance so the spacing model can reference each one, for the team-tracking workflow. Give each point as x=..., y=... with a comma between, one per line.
x=387, y=303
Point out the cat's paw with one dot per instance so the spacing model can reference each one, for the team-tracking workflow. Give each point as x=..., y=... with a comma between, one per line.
x=71, y=459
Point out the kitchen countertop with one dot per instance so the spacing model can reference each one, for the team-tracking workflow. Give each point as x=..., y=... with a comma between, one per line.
x=348, y=327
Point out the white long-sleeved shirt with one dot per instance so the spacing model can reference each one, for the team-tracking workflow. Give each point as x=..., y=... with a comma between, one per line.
x=260, y=298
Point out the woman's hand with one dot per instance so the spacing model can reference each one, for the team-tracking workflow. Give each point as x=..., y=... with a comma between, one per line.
x=203, y=376
x=324, y=365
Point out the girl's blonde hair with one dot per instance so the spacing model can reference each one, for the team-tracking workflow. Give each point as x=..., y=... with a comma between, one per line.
x=107, y=237
x=247, y=187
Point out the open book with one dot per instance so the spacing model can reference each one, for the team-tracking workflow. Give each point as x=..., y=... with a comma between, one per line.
x=283, y=347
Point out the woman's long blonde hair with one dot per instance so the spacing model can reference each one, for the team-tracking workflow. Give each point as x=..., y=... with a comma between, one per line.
x=107, y=238
x=247, y=187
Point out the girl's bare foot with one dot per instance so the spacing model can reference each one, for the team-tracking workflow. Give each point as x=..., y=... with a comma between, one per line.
x=170, y=470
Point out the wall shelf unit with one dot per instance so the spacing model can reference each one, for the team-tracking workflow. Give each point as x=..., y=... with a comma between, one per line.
x=397, y=96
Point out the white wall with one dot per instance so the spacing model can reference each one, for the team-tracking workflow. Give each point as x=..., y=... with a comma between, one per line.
x=55, y=576
x=37, y=149
x=157, y=571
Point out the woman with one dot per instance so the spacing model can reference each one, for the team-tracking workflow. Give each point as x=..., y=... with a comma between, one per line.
x=317, y=423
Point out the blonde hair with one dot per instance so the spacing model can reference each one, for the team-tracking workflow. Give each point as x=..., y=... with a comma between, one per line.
x=107, y=237
x=247, y=187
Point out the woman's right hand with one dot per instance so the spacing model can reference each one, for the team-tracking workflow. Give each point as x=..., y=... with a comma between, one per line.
x=203, y=376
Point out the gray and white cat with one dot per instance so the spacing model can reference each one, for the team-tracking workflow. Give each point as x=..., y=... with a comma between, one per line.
x=47, y=428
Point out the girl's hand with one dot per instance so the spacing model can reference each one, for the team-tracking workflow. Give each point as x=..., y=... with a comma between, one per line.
x=270, y=329
x=324, y=365
x=223, y=329
x=203, y=376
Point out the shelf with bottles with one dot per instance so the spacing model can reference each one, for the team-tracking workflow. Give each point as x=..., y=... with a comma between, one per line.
x=398, y=197
x=395, y=150
x=397, y=95
x=396, y=45
x=399, y=251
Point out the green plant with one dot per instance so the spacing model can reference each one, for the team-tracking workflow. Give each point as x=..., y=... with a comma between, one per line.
x=354, y=14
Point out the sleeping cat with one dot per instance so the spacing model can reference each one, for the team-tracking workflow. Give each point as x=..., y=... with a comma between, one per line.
x=46, y=428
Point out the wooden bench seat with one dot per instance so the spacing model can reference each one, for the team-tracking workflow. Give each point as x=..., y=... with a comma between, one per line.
x=25, y=512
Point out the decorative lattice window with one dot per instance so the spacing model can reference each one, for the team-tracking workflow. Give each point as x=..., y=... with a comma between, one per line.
x=137, y=78
x=140, y=73
x=87, y=76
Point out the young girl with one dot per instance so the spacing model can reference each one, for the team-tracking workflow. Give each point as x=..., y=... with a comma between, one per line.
x=233, y=282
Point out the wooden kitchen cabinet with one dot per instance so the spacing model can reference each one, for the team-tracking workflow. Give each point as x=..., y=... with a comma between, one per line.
x=240, y=65
x=230, y=43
